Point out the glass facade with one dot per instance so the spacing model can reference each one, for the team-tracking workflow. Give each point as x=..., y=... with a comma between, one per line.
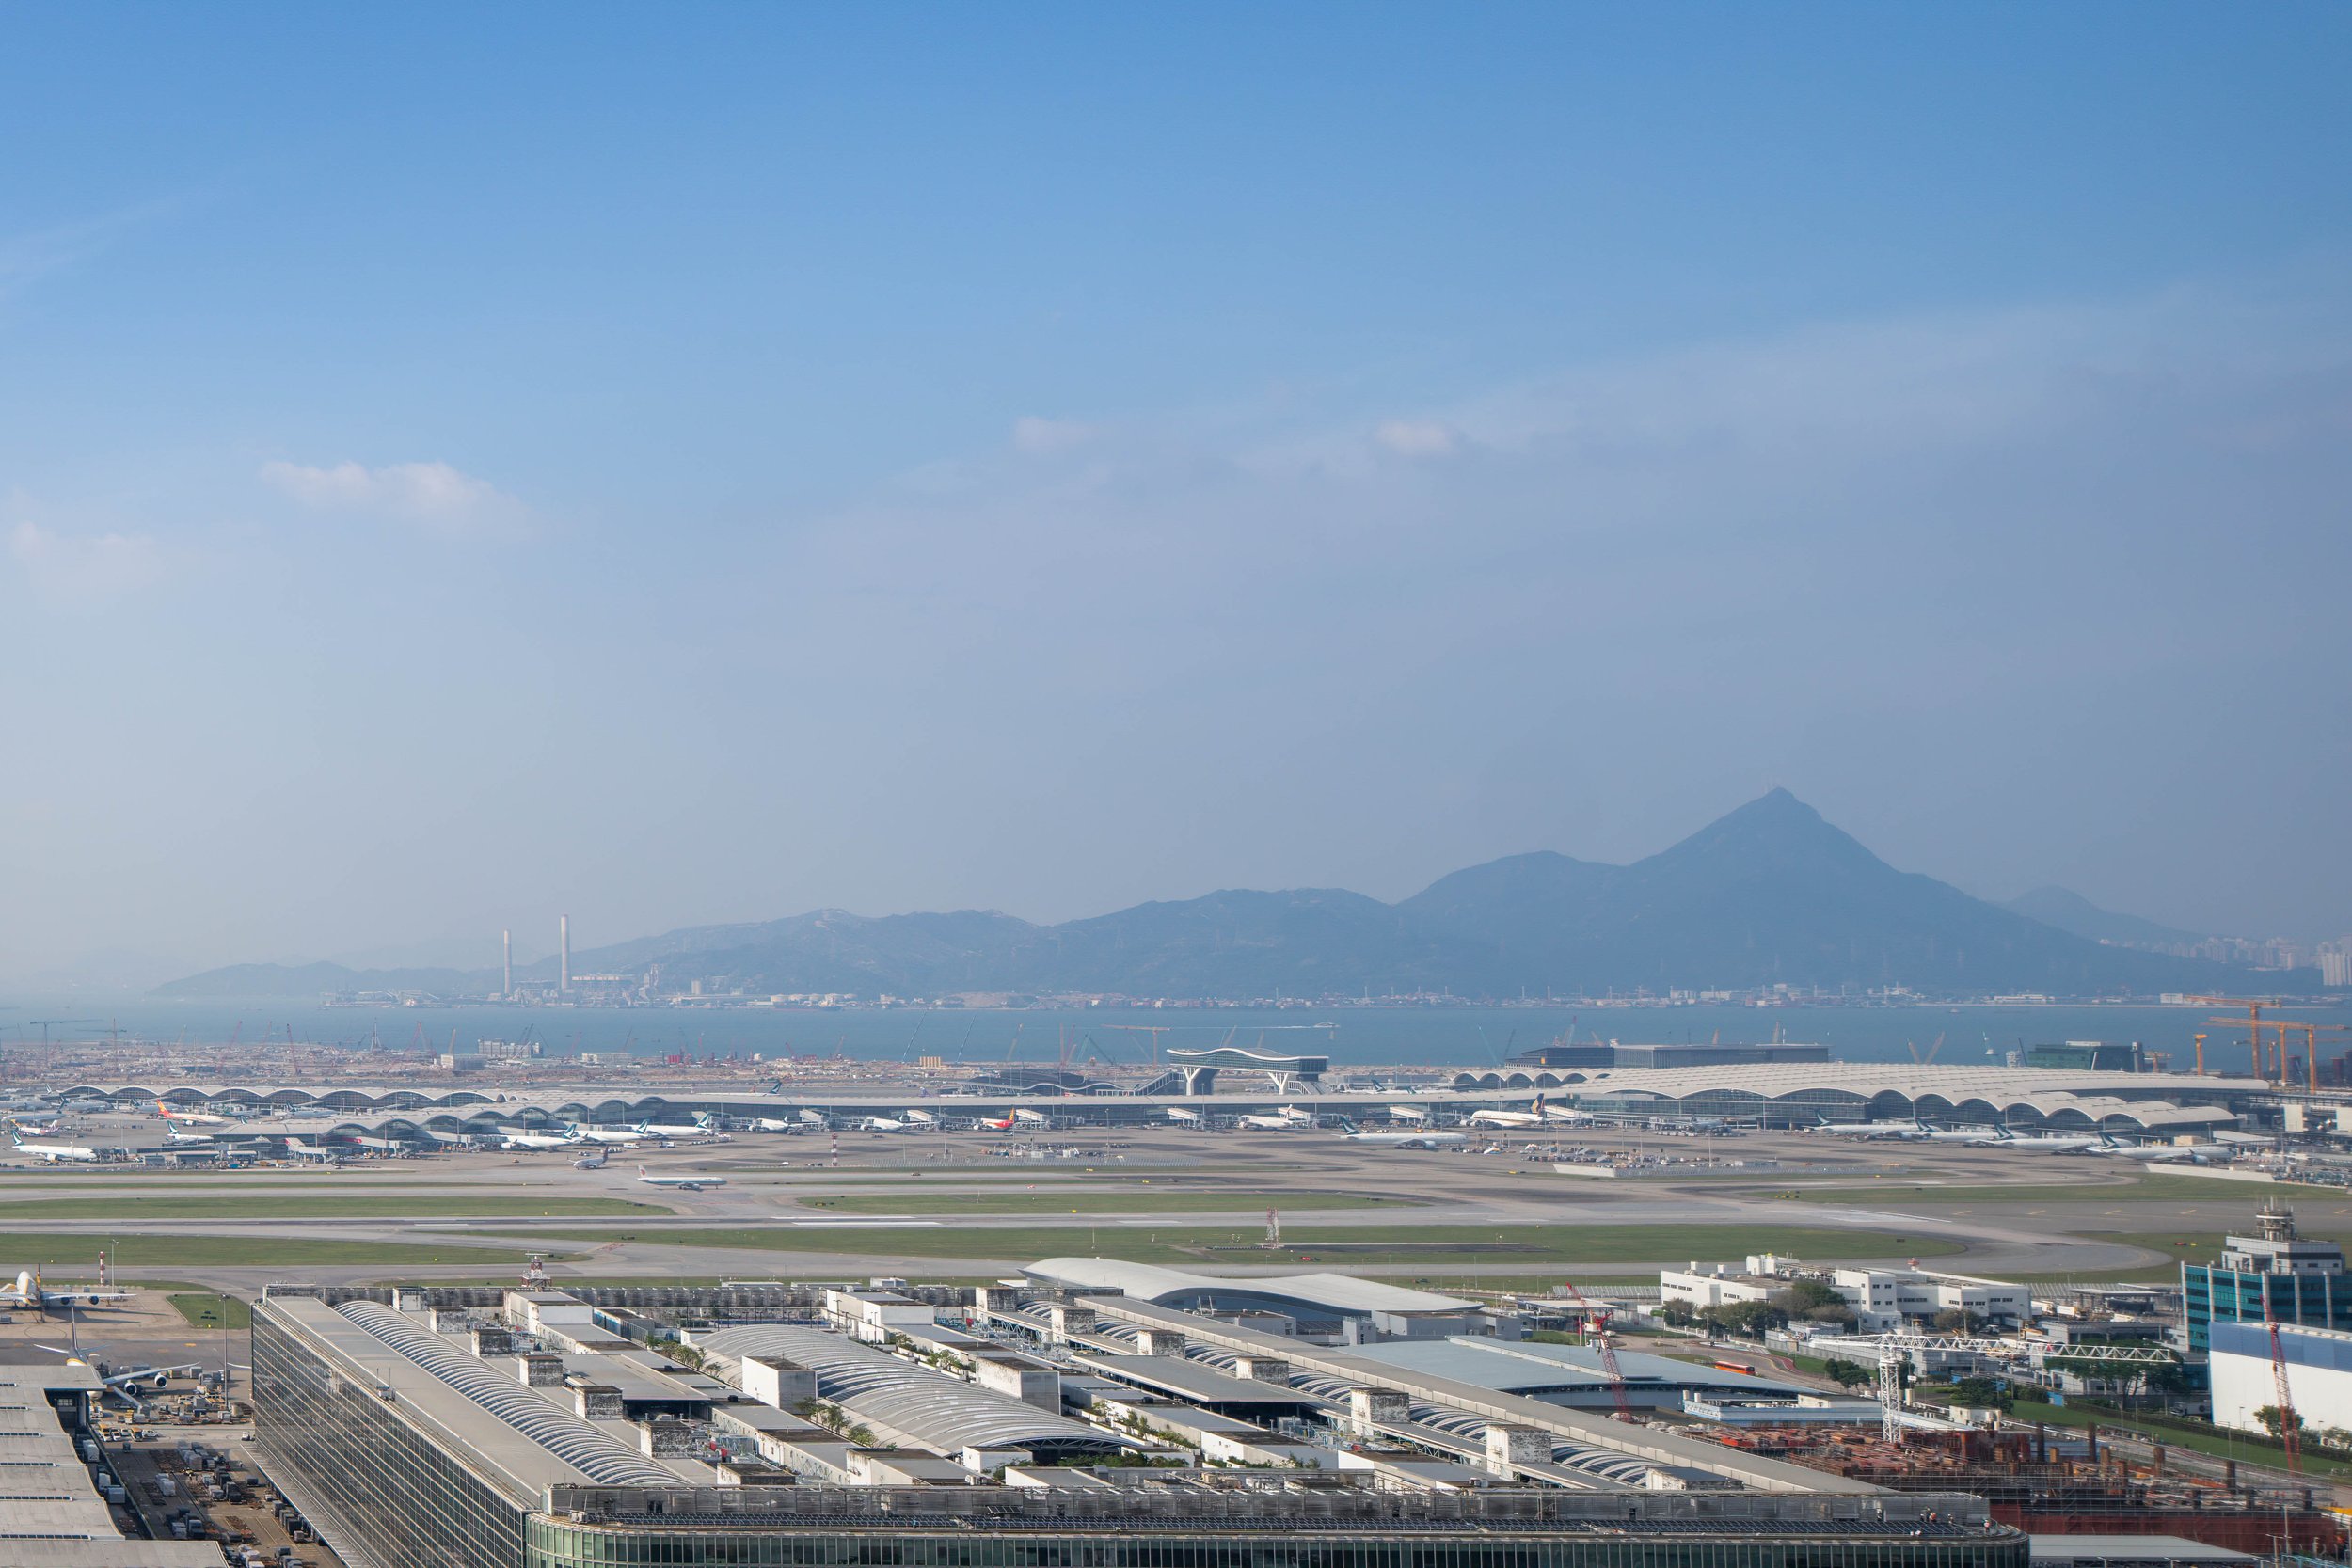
x=559, y=1544
x=2212, y=1294
x=409, y=1500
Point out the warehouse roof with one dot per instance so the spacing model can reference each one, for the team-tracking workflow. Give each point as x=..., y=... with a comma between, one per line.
x=928, y=1407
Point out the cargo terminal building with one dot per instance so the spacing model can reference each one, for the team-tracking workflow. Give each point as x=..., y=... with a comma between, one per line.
x=417, y=1437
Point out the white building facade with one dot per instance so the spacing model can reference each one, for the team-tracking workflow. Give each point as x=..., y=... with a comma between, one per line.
x=2319, y=1375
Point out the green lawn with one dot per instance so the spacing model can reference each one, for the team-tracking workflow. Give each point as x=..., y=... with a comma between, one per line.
x=311, y=1206
x=206, y=1310
x=128, y=1251
x=1451, y=1247
x=1163, y=1200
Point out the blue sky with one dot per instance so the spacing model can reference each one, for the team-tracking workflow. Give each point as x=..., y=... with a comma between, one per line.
x=681, y=463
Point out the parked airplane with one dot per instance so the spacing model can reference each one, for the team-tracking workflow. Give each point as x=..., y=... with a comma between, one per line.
x=885, y=1124
x=1510, y=1119
x=55, y=1152
x=1870, y=1131
x=610, y=1134
x=1000, y=1124
x=773, y=1124
x=698, y=1128
x=683, y=1183
x=29, y=1292
x=538, y=1140
x=194, y=1119
x=174, y=1135
x=1289, y=1119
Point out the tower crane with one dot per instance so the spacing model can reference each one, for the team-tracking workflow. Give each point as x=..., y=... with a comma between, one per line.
x=2288, y=1420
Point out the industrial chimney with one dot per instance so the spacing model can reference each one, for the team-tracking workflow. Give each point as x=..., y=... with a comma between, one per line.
x=506, y=950
x=563, y=938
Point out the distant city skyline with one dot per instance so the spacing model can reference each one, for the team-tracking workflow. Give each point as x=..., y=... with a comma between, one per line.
x=710, y=465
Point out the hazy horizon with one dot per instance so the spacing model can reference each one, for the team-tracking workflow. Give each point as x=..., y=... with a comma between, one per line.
x=702, y=465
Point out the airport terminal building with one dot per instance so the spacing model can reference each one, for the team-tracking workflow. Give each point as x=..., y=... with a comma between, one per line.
x=419, y=1438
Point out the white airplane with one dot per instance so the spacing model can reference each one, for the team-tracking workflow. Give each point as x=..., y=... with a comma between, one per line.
x=1511, y=1118
x=538, y=1140
x=2096, y=1144
x=55, y=1152
x=1407, y=1112
x=1980, y=1136
x=29, y=1292
x=683, y=1183
x=885, y=1124
x=698, y=1128
x=610, y=1134
x=1000, y=1124
x=1868, y=1130
x=590, y=1162
x=1182, y=1117
x=776, y=1124
x=174, y=1135
x=194, y=1119
x=1421, y=1138
x=2170, y=1154
x=1289, y=1119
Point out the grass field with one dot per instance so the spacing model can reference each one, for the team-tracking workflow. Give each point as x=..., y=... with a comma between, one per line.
x=1437, y=1247
x=2147, y=1189
x=204, y=1310
x=310, y=1205
x=128, y=1251
x=1159, y=1200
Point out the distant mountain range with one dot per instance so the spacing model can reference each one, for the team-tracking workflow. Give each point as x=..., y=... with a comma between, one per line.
x=2070, y=912
x=1770, y=893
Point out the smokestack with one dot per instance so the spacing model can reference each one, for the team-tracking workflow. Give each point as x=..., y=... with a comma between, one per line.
x=563, y=937
x=506, y=948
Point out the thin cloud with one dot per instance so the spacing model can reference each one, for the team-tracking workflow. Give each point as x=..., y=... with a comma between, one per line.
x=84, y=568
x=1418, y=439
x=433, y=494
x=1043, y=437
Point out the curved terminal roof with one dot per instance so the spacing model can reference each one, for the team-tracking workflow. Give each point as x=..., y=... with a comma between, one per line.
x=1893, y=1090
x=1242, y=1056
x=941, y=1412
x=1329, y=1293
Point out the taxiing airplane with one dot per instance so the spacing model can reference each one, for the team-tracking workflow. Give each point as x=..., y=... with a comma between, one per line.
x=1409, y=1138
x=698, y=1128
x=682, y=1183
x=55, y=1152
x=194, y=1119
x=590, y=1162
x=175, y=1135
x=1872, y=1132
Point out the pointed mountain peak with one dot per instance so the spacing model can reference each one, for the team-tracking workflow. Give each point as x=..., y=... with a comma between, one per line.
x=1775, y=826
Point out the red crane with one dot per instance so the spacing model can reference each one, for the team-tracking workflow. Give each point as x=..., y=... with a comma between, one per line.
x=2288, y=1420
x=1596, y=1325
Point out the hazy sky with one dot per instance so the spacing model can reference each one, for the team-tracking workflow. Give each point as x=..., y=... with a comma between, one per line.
x=677, y=464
